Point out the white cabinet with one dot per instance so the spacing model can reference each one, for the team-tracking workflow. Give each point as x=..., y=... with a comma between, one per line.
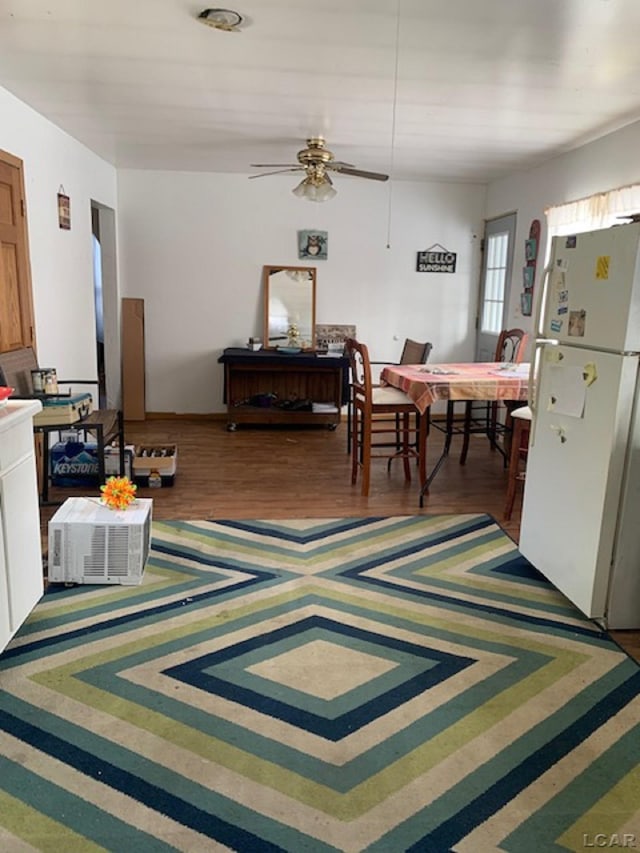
x=21, y=583
x=5, y=633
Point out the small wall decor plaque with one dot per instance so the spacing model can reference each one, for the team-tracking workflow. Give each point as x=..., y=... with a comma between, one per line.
x=531, y=246
x=436, y=259
x=64, y=210
x=313, y=244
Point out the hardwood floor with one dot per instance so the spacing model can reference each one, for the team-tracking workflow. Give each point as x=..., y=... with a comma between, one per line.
x=306, y=472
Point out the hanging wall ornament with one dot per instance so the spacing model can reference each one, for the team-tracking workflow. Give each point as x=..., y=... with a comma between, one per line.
x=531, y=248
x=64, y=209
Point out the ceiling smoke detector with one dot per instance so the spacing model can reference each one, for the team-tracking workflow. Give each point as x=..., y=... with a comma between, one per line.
x=221, y=19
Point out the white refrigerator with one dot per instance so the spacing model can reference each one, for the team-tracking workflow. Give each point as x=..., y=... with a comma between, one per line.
x=581, y=507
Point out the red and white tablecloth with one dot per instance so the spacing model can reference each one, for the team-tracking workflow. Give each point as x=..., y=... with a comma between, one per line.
x=427, y=383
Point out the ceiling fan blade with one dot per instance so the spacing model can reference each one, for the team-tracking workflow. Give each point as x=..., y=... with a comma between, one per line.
x=278, y=172
x=273, y=165
x=340, y=164
x=360, y=173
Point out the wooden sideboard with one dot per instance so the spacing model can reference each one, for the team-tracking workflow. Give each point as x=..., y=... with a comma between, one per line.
x=268, y=387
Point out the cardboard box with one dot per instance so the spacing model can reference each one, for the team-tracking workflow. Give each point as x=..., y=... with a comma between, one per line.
x=160, y=458
x=75, y=463
x=112, y=461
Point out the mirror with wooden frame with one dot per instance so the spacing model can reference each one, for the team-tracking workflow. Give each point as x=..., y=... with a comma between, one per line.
x=289, y=307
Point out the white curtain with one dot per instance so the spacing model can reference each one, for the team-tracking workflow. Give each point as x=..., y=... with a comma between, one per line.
x=596, y=211
x=588, y=214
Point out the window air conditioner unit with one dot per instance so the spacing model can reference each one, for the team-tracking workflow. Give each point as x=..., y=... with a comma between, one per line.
x=90, y=543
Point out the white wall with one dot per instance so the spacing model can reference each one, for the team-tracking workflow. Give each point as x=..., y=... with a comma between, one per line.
x=609, y=162
x=193, y=247
x=61, y=261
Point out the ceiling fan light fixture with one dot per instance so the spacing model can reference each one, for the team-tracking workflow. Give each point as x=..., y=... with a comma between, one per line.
x=316, y=162
x=325, y=191
x=315, y=188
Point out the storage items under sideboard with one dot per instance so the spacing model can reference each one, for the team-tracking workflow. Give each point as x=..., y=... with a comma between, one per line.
x=269, y=387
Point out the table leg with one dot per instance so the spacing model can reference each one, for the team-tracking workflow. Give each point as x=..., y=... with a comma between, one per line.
x=449, y=428
x=423, y=430
x=445, y=452
x=100, y=444
x=45, y=467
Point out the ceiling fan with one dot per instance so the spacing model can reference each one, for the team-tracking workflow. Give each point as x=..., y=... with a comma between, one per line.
x=317, y=161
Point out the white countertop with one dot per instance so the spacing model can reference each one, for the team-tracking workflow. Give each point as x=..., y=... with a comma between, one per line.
x=18, y=410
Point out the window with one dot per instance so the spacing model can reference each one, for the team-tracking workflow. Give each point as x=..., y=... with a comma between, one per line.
x=497, y=262
x=495, y=278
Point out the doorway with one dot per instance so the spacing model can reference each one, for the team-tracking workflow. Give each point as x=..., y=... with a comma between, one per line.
x=105, y=288
x=99, y=307
x=497, y=265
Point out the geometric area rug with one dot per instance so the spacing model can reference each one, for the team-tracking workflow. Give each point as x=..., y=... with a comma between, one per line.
x=388, y=684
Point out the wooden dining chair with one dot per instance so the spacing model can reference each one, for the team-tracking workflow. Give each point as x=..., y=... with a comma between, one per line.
x=369, y=401
x=482, y=417
x=518, y=456
x=413, y=352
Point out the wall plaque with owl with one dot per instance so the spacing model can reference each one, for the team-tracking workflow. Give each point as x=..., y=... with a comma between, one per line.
x=313, y=244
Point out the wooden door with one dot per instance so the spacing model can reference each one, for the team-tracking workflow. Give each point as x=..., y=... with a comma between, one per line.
x=17, y=328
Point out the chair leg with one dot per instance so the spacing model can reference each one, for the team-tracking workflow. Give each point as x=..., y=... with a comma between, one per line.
x=511, y=498
x=493, y=424
x=406, y=446
x=519, y=431
x=365, y=448
x=355, y=426
x=508, y=436
x=398, y=442
x=492, y=429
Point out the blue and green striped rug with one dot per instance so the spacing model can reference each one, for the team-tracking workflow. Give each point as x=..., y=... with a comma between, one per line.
x=378, y=684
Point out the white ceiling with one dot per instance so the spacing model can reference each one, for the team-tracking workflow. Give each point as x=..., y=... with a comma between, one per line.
x=464, y=90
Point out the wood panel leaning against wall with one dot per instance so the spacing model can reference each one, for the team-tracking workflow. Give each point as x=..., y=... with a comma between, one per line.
x=17, y=328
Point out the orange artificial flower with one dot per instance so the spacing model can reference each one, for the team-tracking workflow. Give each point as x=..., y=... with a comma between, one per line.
x=118, y=492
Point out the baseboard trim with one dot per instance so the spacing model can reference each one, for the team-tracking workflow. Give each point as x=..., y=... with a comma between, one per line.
x=182, y=416
x=223, y=416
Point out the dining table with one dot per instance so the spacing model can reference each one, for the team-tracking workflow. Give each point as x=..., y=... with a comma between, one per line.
x=426, y=384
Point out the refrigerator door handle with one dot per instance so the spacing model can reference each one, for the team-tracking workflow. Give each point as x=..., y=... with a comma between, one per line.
x=540, y=304
x=534, y=387
x=534, y=373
